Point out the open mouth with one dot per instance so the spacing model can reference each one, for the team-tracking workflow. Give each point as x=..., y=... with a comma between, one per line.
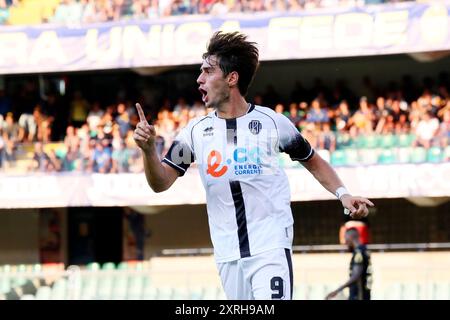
x=204, y=94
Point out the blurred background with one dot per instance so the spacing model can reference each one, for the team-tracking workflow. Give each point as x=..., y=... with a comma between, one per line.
x=366, y=82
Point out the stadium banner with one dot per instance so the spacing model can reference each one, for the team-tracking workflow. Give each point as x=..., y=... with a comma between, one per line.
x=341, y=32
x=65, y=190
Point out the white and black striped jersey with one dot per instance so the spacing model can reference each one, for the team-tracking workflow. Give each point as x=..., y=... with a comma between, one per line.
x=247, y=192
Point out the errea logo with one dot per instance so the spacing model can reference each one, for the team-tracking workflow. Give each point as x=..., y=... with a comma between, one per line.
x=208, y=131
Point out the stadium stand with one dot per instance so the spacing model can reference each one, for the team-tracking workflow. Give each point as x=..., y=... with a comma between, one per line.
x=21, y=12
x=102, y=139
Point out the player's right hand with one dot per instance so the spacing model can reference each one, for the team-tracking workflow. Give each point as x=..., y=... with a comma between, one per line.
x=332, y=295
x=144, y=135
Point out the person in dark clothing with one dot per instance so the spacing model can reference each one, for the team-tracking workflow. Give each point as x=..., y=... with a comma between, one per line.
x=360, y=280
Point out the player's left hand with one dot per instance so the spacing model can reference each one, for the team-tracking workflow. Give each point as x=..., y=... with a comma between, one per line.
x=356, y=205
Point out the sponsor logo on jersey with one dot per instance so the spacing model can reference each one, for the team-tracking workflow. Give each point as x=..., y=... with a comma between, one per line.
x=246, y=162
x=214, y=162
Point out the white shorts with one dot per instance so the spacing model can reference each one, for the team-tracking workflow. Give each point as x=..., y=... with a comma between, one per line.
x=265, y=276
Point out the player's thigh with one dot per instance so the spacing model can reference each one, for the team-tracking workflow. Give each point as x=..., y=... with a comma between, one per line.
x=273, y=278
x=233, y=282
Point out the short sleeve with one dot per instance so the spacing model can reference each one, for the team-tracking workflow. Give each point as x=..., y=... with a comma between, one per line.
x=181, y=152
x=291, y=141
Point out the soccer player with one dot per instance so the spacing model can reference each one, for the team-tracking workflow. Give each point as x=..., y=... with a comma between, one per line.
x=236, y=148
x=360, y=280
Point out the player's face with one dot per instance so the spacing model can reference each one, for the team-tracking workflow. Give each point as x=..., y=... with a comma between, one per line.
x=213, y=84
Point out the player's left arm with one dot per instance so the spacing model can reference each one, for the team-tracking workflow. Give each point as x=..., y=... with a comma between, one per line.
x=328, y=178
x=357, y=272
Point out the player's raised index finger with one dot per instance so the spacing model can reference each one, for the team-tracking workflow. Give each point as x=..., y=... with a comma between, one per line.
x=140, y=112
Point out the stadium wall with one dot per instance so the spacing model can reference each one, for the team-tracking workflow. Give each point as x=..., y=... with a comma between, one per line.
x=19, y=236
x=396, y=221
x=396, y=275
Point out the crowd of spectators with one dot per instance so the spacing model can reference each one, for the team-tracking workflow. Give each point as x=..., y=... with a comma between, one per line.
x=99, y=138
x=88, y=11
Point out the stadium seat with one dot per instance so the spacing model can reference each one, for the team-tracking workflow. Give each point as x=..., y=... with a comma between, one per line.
x=393, y=292
x=418, y=155
x=221, y=295
x=43, y=293
x=411, y=291
x=403, y=154
x=105, y=285
x=376, y=294
x=344, y=141
x=446, y=154
x=387, y=141
x=300, y=292
x=119, y=290
x=135, y=286
x=59, y=289
x=440, y=291
x=405, y=140
x=109, y=266
x=351, y=157
x=165, y=292
x=210, y=293
x=369, y=156
x=338, y=158
x=5, y=283
x=93, y=266
x=88, y=286
x=61, y=152
x=368, y=141
x=387, y=156
x=435, y=155
x=18, y=279
x=180, y=293
x=122, y=265
x=150, y=293
x=196, y=293
x=37, y=268
x=316, y=291
x=4, y=15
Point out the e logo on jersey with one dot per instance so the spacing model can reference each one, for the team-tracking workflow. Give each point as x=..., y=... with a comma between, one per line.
x=213, y=166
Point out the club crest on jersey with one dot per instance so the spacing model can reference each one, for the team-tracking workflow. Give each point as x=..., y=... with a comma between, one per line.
x=255, y=126
x=208, y=131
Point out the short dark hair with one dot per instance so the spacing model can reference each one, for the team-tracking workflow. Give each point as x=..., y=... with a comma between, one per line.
x=234, y=53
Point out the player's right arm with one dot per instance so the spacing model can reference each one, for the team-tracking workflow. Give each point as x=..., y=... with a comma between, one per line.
x=159, y=175
x=357, y=272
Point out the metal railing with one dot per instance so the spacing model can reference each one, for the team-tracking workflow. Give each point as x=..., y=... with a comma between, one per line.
x=385, y=247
